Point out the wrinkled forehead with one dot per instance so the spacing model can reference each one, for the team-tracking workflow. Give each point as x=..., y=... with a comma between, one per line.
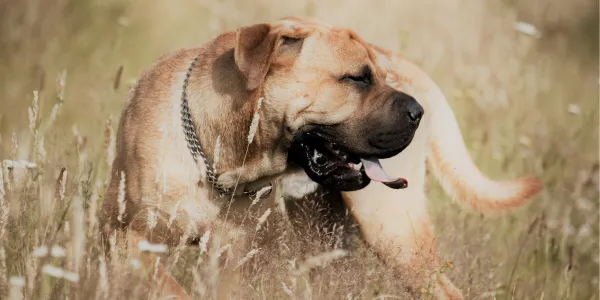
x=331, y=43
x=299, y=23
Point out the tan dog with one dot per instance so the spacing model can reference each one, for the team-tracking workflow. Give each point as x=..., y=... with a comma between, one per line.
x=261, y=92
x=326, y=102
x=396, y=222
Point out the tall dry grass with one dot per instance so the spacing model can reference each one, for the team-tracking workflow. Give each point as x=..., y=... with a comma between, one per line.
x=526, y=105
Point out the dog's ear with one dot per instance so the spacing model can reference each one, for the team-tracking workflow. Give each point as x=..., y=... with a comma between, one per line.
x=254, y=49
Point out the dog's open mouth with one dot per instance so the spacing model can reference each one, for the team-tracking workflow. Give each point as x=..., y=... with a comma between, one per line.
x=333, y=166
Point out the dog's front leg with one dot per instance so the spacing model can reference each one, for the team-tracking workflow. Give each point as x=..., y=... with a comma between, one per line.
x=163, y=285
x=402, y=235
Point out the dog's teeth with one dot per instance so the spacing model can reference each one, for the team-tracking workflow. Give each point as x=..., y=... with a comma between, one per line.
x=316, y=156
x=355, y=166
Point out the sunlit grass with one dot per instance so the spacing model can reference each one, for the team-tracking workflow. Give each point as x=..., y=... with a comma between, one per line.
x=526, y=106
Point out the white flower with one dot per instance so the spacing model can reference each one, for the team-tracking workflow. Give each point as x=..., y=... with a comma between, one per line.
x=58, y=251
x=60, y=273
x=585, y=231
x=17, y=281
x=18, y=164
x=155, y=248
x=40, y=251
x=135, y=263
x=286, y=289
x=574, y=109
x=527, y=29
x=525, y=141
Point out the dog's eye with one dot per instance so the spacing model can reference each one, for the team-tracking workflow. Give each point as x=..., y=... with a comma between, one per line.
x=358, y=79
x=362, y=81
x=286, y=40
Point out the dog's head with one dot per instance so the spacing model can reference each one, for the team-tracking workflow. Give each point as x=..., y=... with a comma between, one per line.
x=323, y=85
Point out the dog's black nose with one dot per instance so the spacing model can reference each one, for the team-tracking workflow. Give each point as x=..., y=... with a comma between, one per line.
x=407, y=108
x=415, y=110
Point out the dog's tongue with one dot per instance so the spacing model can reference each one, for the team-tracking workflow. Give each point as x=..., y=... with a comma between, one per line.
x=376, y=172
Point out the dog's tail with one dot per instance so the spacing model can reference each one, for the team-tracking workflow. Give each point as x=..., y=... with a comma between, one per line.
x=448, y=156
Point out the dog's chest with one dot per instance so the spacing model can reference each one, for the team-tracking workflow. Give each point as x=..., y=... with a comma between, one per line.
x=296, y=185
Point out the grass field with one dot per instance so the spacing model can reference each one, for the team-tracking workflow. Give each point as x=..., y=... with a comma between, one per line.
x=527, y=105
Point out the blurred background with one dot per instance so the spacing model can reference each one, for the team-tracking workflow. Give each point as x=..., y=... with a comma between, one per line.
x=521, y=75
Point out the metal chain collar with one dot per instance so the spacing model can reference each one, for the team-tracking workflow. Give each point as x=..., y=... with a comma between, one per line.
x=193, y=142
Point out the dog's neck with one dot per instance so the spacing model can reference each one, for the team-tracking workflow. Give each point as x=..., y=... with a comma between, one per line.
x=240, y=164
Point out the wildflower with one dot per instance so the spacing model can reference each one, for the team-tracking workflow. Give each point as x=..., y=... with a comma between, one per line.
x=155, y=248
x=255, y=120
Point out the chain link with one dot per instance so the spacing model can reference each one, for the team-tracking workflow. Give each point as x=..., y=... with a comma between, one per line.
x=189, y=128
